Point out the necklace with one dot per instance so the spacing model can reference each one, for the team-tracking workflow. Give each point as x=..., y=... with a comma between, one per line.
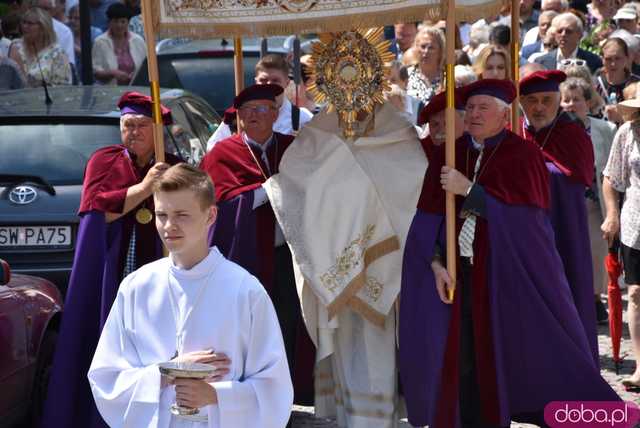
x=484, y=167
x=175, y=309
x=255, y=159
x=546, y=138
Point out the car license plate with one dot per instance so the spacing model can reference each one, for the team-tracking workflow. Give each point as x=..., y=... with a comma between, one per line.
x=35, y=236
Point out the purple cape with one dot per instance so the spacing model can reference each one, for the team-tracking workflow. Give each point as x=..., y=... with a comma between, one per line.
x=245, y=236
x=568, y=212
x=93, y=286
x=541, y=352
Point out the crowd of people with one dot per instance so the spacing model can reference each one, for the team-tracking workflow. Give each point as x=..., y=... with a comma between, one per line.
x=353, y=297
x=40, y=42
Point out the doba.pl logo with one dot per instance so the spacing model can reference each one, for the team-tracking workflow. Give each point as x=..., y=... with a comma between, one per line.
x=592, y=414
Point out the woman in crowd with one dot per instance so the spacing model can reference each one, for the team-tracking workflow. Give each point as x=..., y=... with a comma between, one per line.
x=117, y=53
x=426, y=77
x=622, y=175
x=614, y=75
x=38, y=54
x=577, y=94
x=596, y=104
x=493, y=63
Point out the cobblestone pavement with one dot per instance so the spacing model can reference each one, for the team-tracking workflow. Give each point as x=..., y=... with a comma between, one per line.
x=303, y=416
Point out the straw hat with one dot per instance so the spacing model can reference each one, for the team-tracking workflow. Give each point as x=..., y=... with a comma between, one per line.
x=629, y=109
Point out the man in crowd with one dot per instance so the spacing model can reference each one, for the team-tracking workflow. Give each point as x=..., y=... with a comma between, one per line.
x=116, y=236
x=498, y=351
x=404, y=36
x=572, y=172
x=528, y=17
x=569, y=31
x=216, y=310
x=272, y=69
x=246, y=231
x=557, y=6
x=544, y=22
x=345, y=218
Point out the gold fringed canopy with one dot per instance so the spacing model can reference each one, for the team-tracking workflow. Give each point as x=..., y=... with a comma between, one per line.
x=219, y=18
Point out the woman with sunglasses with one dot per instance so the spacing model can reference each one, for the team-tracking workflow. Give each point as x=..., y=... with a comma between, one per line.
x=614, y=75
x=38, y=54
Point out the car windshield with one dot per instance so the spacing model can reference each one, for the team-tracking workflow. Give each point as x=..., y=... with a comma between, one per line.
x=57, y=153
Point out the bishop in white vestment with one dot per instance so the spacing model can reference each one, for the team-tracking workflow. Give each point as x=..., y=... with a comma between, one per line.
x=162, y=309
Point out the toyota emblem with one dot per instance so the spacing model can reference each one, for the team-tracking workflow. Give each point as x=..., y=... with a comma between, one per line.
x=23, y=195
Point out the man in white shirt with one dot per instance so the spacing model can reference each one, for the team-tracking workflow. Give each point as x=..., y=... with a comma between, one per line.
x=63, y=33
x=558, y=6
x=272, y=69
x=220, y=315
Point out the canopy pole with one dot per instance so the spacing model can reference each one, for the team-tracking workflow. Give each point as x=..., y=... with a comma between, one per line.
x=238, y=70
x=450, y=153
x=238, y=66
x=515, y=63
x=154, y=79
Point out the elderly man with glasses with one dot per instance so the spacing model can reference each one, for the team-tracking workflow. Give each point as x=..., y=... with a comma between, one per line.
x=246, y=231
x=569, y=158
x=569, y=31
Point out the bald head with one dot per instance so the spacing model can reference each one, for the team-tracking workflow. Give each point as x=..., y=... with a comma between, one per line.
x=529, y=68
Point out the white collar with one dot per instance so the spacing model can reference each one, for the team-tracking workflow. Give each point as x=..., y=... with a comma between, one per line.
x=262, y=147
x=573, y=54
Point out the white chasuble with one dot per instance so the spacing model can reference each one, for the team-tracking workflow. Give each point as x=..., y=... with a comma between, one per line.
x=215, y=305
x=345, y=208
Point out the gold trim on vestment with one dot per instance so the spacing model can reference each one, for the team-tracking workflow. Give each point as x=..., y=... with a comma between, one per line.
x=348, y=295
x=366, y=311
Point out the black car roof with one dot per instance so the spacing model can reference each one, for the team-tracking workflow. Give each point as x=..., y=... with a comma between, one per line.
x=96, y=101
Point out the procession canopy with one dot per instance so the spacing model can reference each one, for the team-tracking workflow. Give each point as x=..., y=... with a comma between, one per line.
x=223, y=18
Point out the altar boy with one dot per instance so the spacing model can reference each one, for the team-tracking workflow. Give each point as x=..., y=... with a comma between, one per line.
x=195, y=306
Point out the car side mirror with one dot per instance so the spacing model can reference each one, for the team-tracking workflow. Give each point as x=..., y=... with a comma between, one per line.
x=5, y=273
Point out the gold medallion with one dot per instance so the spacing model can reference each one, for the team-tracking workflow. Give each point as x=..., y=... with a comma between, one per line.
x=144, y=216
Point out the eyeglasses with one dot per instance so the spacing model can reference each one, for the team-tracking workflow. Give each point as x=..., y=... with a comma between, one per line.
x=256, y=109
x=25, y=22
x=572, y=61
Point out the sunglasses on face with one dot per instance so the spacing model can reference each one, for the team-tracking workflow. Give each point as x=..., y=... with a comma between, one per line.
x=573, y=61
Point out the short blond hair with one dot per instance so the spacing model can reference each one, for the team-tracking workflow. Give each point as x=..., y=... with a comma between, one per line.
x=183, y=176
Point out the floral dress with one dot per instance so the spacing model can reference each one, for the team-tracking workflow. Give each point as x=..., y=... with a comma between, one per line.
x=51, y=64
x=623, y=171
x=420, y=87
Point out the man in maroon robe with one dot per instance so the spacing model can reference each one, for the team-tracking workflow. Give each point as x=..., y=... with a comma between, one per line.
x=433, y=114
x=568, y=152
x=246, y=231
x=511, y=340
x=116, y=235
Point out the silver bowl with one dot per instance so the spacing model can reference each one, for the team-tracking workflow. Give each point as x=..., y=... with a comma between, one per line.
x=186, y=371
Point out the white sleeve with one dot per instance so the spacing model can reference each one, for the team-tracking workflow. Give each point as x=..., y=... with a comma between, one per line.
x=125, y=392
x=265, y=393
x=259, y=197
x=66, y=43
x=220, y=134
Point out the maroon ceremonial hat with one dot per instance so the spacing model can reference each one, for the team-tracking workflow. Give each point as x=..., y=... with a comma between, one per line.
x=229, y=115
x=257, y=92
x=137, y=103
x=542, y=81
x=438, y=103
x=497, y=88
